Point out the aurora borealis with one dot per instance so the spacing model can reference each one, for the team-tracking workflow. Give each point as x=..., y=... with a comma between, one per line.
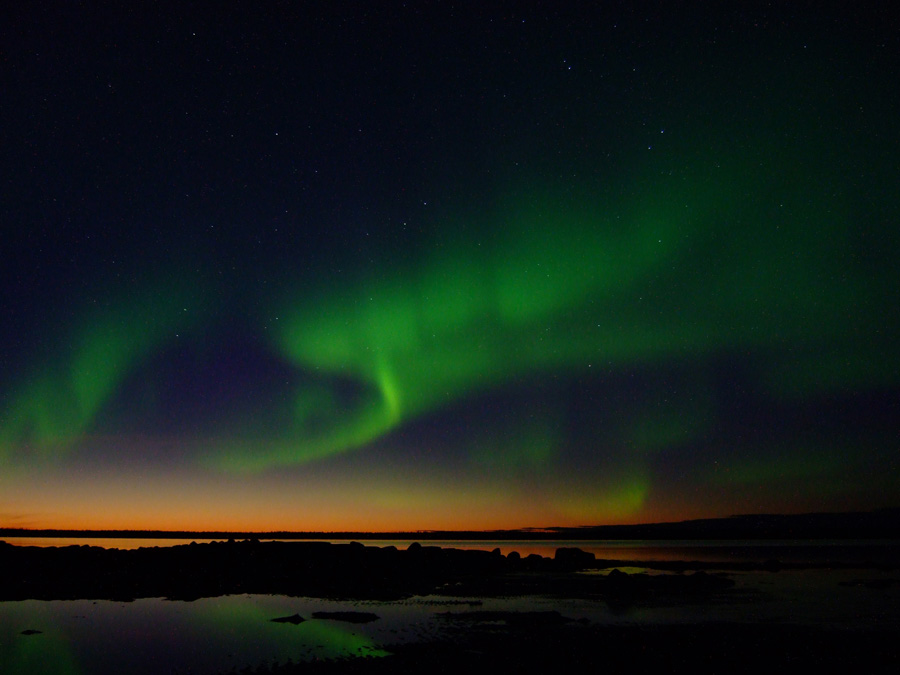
x=338, y=267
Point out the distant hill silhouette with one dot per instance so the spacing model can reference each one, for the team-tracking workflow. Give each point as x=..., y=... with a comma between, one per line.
x=879, y=524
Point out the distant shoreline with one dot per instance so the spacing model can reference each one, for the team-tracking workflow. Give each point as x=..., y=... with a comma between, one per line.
x=880, y=524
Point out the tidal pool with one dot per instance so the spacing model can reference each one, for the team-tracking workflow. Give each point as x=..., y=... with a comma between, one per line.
x=228, y=633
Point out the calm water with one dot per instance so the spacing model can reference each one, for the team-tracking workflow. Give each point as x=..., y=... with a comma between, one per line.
x=228, y=633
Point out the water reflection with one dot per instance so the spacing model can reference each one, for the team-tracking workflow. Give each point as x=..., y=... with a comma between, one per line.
x=49, y=651
x=154, y=635
x=228, y=633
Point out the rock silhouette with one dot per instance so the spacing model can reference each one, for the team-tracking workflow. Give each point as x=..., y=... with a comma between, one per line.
x=314, y=569
x=349, y=617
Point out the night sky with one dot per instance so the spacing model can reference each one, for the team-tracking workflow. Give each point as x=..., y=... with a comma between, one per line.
x=380, y=266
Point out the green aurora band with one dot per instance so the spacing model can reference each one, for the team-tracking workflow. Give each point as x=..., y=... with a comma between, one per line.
x=564, y=284
x=710, y=259
x=50, y=411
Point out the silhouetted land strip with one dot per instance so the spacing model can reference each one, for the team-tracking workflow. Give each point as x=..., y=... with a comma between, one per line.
x=880, y=524
x=315, y=569
x=352, y=571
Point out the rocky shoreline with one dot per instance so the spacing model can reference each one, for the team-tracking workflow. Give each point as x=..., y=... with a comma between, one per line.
x=317, y=569
x=508, y=641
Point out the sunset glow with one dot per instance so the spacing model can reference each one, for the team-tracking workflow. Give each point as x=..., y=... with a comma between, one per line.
x=263, y=275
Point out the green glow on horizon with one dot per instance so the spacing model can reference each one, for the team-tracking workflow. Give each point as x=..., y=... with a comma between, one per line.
x=616, y=500
x=787, y=469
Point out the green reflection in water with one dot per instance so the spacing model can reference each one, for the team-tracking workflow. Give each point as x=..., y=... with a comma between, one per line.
x=244, y=625
x=48, y=652
x=37, y=654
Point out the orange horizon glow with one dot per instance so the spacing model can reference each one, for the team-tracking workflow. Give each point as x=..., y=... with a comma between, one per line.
x=334, y=523
x=347, y=509
x=215, y=516
x=368, y=500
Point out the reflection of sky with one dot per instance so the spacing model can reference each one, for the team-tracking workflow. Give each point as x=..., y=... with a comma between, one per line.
x=404, y=271
x=219, y=634
x=154, y=635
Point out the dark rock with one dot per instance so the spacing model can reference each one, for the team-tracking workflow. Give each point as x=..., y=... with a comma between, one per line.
x=350, y=617
x=511, y=618
x=875, y=584
x=573, y=558
x=31, y=631
x=294, y=619
x=312, y=569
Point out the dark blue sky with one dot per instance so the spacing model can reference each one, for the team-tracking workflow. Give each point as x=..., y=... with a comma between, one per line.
x=437, y=265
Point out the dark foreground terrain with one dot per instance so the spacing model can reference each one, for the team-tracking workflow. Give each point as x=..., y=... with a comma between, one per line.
x=316, y=569
x=511, y=647
x=473, y=638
